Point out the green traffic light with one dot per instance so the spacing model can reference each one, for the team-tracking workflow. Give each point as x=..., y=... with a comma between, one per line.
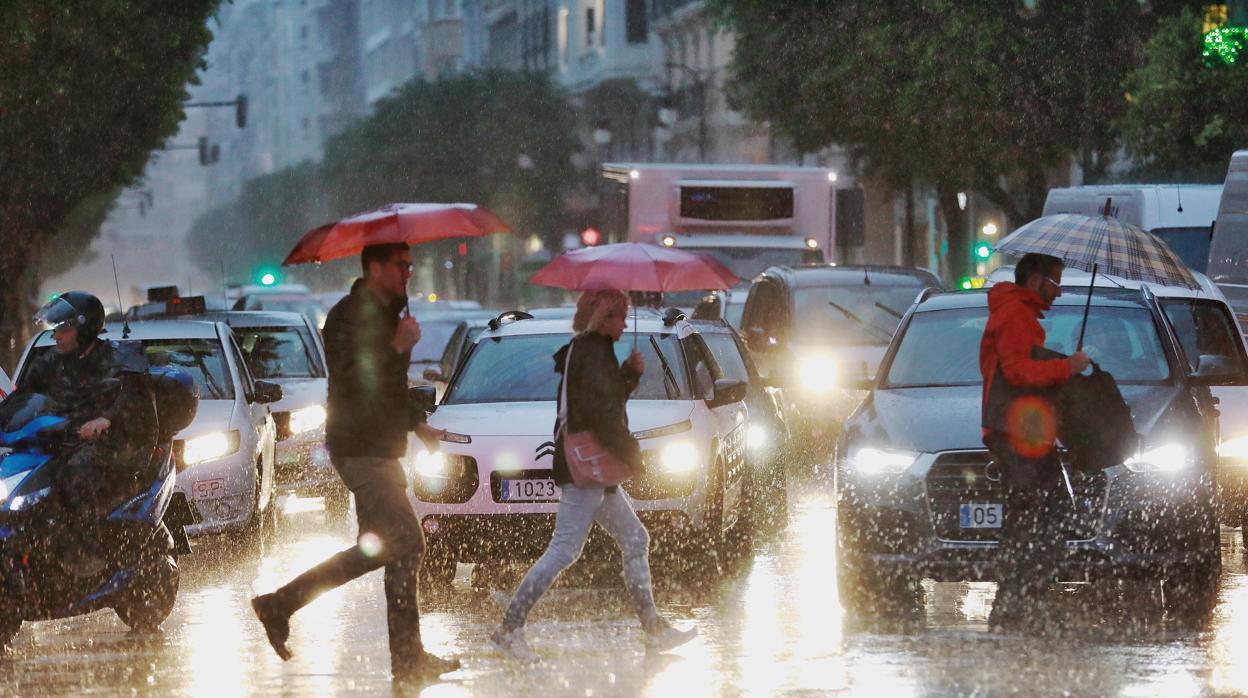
x=268, y=278
x=982, y=250
x=966, y=283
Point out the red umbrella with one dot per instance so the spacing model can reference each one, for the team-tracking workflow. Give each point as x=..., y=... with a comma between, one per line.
x=410, y=224
x=632, y=266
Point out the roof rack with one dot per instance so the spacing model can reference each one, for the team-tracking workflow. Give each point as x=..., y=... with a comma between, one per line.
x=671, y=316
x=508, y=317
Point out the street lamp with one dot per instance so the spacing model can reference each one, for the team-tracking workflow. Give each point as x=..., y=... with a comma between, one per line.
x=989, y=229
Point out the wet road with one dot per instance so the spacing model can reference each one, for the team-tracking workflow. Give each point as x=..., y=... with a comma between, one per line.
x=773, y=627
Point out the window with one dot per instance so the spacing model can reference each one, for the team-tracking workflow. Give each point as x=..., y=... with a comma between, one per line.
x=1203, y=327
x=728, y=356
x=202, y=358
x=636, y=29
x=701, y=370
x=279, y=352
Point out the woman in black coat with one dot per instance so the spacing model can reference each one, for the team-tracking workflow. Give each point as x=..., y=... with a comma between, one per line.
x=597, y=388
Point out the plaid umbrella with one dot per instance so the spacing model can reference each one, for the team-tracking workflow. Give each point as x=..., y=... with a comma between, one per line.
x=1101, y=244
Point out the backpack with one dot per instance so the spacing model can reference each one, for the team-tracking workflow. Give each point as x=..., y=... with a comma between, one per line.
x=1096, y=425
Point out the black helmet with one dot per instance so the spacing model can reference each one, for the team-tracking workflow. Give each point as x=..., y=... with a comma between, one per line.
x=77, y=308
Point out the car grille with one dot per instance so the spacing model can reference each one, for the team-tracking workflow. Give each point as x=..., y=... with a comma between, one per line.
x=454, y=490
x=962, y=476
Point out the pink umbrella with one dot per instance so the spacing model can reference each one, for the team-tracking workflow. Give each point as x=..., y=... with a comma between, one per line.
x=410, y=224
x=632, y=266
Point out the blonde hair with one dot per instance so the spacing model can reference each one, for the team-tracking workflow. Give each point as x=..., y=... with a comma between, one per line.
x=594, y=306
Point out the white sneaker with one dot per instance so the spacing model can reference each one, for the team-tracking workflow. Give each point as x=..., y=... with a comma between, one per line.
x=668, y=638
x=513, y=644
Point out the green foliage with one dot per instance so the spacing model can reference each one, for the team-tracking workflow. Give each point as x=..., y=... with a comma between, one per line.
x=957, y=95
x=498, y=138
x=1185, y=118
x=87, y=91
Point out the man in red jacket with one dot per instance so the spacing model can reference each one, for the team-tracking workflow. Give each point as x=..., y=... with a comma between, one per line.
x=1020, y=430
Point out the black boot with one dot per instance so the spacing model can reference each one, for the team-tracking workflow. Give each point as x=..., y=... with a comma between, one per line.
x=276, y=621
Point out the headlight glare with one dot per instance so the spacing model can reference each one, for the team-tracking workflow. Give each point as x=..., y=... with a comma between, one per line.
x=1234, y=451
x=679, y=457
x=218, y=444
x=1165, y=458
x=817, y=373
x=881, y=461
x=307, y=418
x=23, y=501
x=756, y=437
x=427, y=464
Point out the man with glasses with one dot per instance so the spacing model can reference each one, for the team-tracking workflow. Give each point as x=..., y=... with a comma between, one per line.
x=367, y=346
x=1020, y=430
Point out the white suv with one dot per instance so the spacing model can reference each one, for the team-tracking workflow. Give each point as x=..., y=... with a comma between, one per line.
x=488, y=494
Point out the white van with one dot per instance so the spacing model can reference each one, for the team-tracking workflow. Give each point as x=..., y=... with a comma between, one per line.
x=1180, y=214
x=1228, y=259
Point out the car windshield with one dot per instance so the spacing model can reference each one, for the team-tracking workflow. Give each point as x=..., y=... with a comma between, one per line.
x=522, y=369
x=746, y=263
x=279, y=352
x=434, y=336
x=941, y=348
x=202, y=358
x=858, y=314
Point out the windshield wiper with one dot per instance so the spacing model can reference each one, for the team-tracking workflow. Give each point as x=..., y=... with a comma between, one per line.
x=888, y=309
x=669, y=379
x=213, y=388
x=880, y=332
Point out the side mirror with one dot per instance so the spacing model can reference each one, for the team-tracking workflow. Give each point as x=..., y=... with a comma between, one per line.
x=727, y=391
x=266, y=392
x=1216, y=369
x=422, y=398
x=433, y=375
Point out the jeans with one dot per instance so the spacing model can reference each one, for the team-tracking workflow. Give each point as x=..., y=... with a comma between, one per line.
x=396, y=543
x=579, y=508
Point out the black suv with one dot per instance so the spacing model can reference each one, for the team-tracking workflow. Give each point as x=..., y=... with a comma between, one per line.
x=819, y=330
x=917, y=498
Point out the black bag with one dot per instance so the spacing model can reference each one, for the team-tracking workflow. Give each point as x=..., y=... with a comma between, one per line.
x=1096, y=426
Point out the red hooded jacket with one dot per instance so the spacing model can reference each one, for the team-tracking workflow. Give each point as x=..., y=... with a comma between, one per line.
x=1012, y=332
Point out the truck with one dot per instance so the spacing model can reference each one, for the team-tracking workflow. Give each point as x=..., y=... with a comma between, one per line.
x=1180, y=214
x=750, y=217
x=1228, y=256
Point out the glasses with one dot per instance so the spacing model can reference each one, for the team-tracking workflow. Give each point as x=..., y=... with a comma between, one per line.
x=404, y=266
x=1055, y=284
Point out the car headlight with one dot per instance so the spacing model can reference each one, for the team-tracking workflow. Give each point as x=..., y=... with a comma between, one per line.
x=307, y=418
x=1234, y=451
x=429, y=463
x=1169, y=457
x=218, y=444
x=817, y=373
x=756, y=437
x=881, y=461
x=679, y=457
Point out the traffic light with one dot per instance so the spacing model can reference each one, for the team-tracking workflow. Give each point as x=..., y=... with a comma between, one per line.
x=240, y=111
x=268, y=276
x=981, y=251
x=590, y=237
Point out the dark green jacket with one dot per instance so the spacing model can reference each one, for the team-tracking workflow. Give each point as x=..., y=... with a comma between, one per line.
x=598, y=390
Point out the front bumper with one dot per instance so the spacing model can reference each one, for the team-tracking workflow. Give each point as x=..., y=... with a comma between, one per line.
x=302, y=465
x=221, y=491
x=1122, y=523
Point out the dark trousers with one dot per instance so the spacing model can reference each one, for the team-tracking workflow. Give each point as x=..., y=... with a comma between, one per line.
x=1033, y=536
x=389, y=536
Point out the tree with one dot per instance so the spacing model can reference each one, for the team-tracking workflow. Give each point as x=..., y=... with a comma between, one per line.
x=87, y=91
x=1184, y=118
x=958, y=95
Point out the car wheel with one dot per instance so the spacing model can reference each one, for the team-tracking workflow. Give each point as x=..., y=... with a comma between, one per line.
x=150, y=600
x=263, y=523
x=437, y=570
x=770, y=500
x=707, y=548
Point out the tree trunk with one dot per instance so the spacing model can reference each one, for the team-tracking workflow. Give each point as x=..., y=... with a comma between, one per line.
x=958, y=234
x=19, y=270
x=909, y=243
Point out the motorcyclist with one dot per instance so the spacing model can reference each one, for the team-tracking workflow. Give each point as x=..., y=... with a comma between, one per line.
x=99, y=386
